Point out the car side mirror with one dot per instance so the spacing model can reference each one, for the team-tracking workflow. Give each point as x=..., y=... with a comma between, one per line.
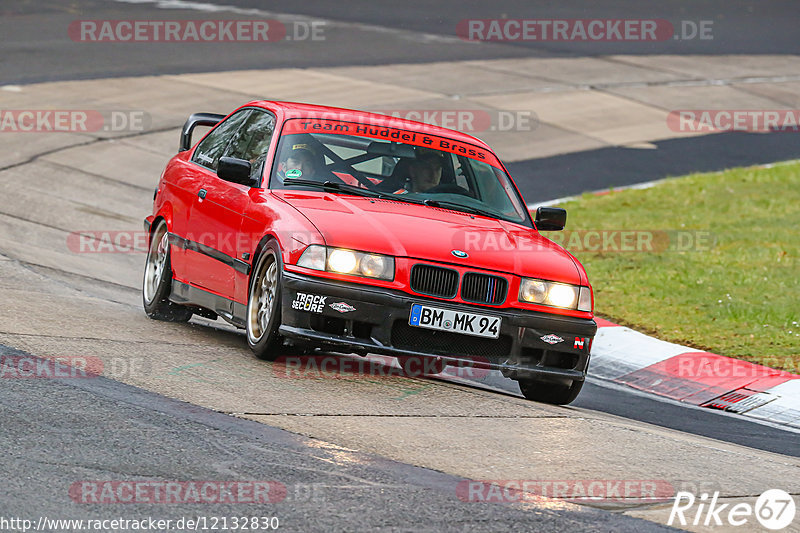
x=235, y=170
x=550, y=218
x=197, y=119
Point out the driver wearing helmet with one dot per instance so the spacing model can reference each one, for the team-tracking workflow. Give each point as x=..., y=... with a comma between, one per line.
x=300, y=161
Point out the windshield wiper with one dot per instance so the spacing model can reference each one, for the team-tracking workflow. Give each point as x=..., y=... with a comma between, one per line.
x=335, y=186
x=460, y=207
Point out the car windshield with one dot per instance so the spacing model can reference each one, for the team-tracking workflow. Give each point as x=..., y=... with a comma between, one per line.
x=395, y=163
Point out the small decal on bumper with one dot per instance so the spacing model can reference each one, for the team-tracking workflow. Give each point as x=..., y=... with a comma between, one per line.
x=313, y=303
x=552, y=339
x=342, y=307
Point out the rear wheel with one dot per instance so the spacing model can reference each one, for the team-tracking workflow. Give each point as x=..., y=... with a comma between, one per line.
x=547, y=392
x=157, y=282
x=263, y=304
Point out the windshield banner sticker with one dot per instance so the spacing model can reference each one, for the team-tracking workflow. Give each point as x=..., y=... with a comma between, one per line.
x=426, y=140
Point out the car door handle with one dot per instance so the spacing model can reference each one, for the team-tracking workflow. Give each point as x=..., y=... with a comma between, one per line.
x=202, y=193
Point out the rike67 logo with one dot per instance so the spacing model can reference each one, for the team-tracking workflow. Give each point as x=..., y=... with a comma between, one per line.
x=774, y=509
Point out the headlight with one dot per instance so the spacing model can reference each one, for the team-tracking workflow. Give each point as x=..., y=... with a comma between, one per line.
x=562, y=296
x=372, y=266
x=533, y=290
x=555, y=294
x=343, y=261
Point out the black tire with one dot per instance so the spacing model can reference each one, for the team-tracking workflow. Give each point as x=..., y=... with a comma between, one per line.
x=157, y=281
x=263, y=316
x=553, y=393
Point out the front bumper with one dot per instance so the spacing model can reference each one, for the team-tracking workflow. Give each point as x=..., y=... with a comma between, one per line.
x=372, y=320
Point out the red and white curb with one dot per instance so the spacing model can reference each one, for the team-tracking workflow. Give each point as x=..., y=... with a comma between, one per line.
x=627, y=357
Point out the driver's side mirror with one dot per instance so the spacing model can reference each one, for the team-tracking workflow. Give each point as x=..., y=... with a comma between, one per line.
x=550, y=218
x=235, y=170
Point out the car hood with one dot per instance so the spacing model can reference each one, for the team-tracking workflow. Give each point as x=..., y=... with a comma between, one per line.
x=416, y=231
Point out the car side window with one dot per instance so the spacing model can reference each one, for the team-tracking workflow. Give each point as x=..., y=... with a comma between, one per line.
x=253, y=138
x=252, y=141
x=212, y=146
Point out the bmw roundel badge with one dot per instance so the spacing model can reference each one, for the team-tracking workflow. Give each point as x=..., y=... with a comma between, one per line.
x=460, y=254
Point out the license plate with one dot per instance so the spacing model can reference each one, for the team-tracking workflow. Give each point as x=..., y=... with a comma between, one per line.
x=456, y=321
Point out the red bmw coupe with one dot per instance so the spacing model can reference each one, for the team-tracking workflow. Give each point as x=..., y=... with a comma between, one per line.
x=361, y=233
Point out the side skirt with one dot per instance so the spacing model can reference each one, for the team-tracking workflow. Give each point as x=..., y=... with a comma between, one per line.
x=185, y=294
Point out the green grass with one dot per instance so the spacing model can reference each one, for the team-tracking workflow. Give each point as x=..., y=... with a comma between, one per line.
x=739, y=296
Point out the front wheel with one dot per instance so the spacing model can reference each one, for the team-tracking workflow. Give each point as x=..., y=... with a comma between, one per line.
x=157, y=282
x=264, y=304
x=554, y=393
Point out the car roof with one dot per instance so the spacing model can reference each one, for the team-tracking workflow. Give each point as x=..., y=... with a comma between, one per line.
x=300, y=110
